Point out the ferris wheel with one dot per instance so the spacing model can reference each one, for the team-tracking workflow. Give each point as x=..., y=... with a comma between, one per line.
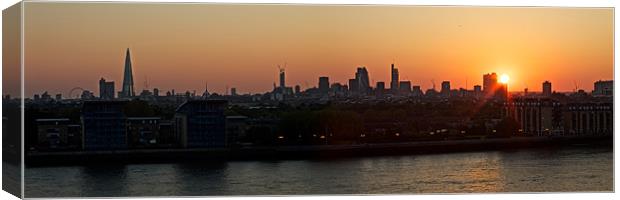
x=79, y=92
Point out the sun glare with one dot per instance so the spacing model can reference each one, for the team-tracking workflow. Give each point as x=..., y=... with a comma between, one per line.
x=504, y=78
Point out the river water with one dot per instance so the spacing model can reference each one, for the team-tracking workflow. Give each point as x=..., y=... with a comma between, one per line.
x=526, y=170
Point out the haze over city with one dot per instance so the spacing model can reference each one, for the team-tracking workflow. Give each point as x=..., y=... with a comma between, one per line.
x=181, y=46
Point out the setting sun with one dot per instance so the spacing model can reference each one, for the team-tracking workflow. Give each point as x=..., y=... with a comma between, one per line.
x=504, y=78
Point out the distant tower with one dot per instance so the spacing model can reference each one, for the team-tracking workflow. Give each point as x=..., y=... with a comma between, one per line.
x=363, y=82
x=106, y=89
x=445, y=88
x=282, y=79
x=353, y=86
x=324, y=84
x=127, y=89
x=394, y=84
x=489, y=84
x=546, y=88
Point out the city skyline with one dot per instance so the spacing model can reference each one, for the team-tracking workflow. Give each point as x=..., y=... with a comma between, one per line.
x=531, y=45
x=323, y=84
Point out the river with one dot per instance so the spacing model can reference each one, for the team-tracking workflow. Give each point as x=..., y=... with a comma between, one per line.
x=575, y=168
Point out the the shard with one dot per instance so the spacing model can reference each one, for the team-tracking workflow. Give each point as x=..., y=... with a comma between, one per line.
x=127, y=89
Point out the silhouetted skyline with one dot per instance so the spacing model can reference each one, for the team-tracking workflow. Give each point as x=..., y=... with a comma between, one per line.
x=182, y=46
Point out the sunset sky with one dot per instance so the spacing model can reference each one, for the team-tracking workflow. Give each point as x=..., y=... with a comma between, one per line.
x=180, y=46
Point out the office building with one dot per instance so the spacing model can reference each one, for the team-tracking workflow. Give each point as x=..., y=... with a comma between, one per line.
x=57, y=133
x=588, y=118
x=363, y=81
x=142, y=132
x=405, y=87
x=380, y=88
x=282, y=79
x=394, y=87
x=536, y=116
x=236, y=127
x=477, y=91
x=106, y=89
x=546, y=88
x=324, y=84
x=353, y=86
x=168, y=137
x=201, y=123
x=103, y=125
x=445, y=89
x=280, y=92
x=489, y=84
x=603, y=88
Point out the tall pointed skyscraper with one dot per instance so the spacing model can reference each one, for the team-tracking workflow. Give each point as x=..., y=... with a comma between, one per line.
x=127, y=89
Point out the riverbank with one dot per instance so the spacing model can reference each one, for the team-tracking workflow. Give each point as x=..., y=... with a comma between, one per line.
x=305, y=152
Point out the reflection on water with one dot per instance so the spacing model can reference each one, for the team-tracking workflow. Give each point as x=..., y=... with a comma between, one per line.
x=541, y=170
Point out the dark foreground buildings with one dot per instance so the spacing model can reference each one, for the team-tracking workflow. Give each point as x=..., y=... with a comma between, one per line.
x=548, y=116
x=201, y=123
x=57, y=134
x=103, y=125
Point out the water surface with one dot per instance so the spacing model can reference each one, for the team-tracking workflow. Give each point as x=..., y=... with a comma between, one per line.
x=530, y=170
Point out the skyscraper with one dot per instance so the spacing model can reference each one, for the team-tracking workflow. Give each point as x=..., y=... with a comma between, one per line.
x=324, y=84
x=282, y=79
x=363, y=82
x=353, y=86
x=489, y=84
x=394, y=84
x=546, y=88
x=106, y=89
x=127, y=90
x=445, y=88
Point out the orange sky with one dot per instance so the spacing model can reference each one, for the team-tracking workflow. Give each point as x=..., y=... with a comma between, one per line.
x=180, y=46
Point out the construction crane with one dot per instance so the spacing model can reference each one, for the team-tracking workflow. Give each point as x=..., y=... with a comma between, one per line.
x=576, y=86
